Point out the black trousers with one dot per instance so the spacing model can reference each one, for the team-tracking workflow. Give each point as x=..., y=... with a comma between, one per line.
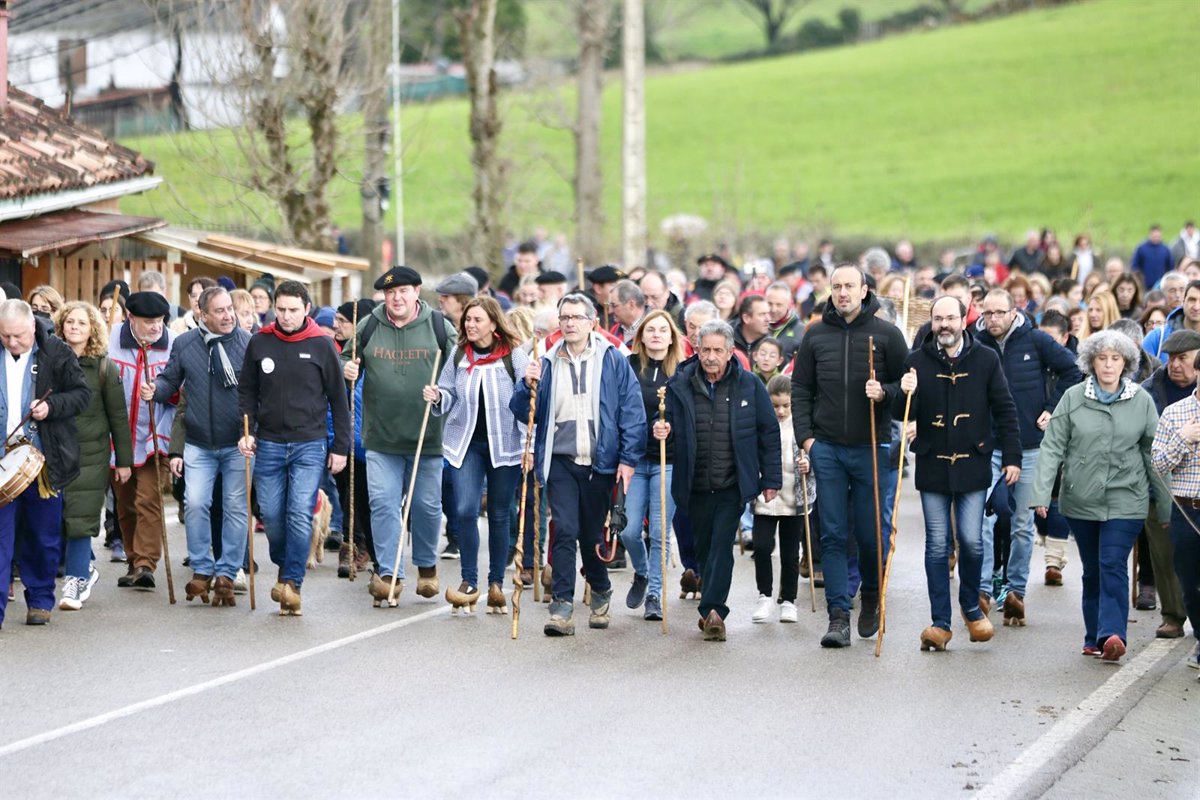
x=715, y=517
x=791, y=532
x=579, y=502
x=362, y=505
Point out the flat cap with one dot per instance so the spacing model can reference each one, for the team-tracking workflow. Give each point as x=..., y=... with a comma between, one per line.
x=398, y=276
x=1181, y=341
x=716, y=258
x=458, y=283
x=550, y=277
x=149, y=305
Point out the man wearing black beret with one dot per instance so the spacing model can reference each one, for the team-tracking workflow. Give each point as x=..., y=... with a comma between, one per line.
x=712, y=271
x=143, y=344
x=552, y=287
x=396, y=346
x=602, y=280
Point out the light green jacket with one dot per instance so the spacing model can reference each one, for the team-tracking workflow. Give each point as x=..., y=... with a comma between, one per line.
x=1104, y=451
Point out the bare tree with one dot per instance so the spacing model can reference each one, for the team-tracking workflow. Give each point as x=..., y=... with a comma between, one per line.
x=633, y=144
x=477, y=36
x=773, y=15
x=293, y=65
x=376, y=56
x=593, y=18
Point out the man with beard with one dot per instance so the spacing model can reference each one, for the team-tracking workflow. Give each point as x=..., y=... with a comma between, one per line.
x=832, y=397
x=961, y=404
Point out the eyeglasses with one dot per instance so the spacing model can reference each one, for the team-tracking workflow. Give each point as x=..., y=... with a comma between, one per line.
x=572, y=318
x=995, y=313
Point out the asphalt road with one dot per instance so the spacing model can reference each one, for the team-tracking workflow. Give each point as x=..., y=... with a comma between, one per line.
x=132, y=698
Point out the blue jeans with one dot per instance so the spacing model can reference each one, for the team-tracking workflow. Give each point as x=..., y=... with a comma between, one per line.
x=31, y=538
x=845, y=494
x=388, y=475
x=968, y=514
x=1187, y=562
x=1104, y=549
x=1021, y=548
x=201, y=466
x=287, y=476
x=502, y=484
x=642, y=499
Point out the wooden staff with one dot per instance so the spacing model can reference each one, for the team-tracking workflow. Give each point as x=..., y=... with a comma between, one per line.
x=1134, y=574
x=812, y=576
x=412, y=484
x=887, y=572
x=662, y=500
x=162, y=513
x=526, y=468
x=907, y=295
x=875, y=478
x=27, y=417
x=353, y=392
x=112, y=311
x=249, y=512
x=537, y=509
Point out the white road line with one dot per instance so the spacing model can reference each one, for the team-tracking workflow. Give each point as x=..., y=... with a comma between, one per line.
x=224, y=680
x=1059, y=737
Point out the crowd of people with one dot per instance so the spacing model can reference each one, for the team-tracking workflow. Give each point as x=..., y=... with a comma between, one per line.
x=767, y=405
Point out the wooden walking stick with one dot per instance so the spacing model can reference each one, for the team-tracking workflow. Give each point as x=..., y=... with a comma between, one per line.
x=875, y=481
x=412, y=484
x=526, y=469
x=162, y=512
x=1134, y=574
x=249, y=513
x=662, y=500
x=812, y=575
x=887, y=571
x=353, y=392
x=537, y=507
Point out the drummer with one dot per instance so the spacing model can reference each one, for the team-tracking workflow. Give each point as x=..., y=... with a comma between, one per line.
x=39, y=364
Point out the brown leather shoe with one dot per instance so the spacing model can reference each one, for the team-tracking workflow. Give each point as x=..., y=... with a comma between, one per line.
x=198, y=586
x=935, y=638
x=37, y=616
x=1014, y=610
x=985, y=603
x=714, y=627
x=1053, y=576
x=223, y=592
x=1169, y=630
x=979, y=630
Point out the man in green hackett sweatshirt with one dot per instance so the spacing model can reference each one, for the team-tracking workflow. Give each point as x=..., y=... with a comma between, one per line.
x=395, y=348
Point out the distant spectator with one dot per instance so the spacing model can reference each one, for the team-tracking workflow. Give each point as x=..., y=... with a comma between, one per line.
x=1152, y=319
x=1054, y=265
x=725, y=298
x=526, y=262
x=1028, y=258
x=1152, y=258
x=1188, y=243
x=1101, y=312
x=1173, y=285
x=1069, y=289
x=905, y=257
x=1082, y=259
x=1129, y=296
x=876, y=263
x=825, y=256
x=1154, y=299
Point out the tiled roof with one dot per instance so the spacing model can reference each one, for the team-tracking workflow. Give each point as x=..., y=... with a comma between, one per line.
x=43, y=151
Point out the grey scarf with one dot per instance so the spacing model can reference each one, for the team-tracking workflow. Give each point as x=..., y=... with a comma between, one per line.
x=218, y=359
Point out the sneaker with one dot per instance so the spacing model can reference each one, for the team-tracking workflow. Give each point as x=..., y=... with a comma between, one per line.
x=653, y=608
x=451, y=551
x=1146, y=601
x=762, y=611
x=239, y=582
x=868, y=617
x=1114, y=648
x=333, y=541
x=86, y=584
x=637, y=591
x=561, y=619
x=787, y=612
x=838, y=634
x=118, y=552
x=70, y=594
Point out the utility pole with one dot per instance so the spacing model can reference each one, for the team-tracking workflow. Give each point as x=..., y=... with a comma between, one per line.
x=375, y=129
x=633, y=143
x=397, y=163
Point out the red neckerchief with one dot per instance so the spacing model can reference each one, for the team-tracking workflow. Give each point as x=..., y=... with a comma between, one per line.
x=498, y=352
x=311, y=330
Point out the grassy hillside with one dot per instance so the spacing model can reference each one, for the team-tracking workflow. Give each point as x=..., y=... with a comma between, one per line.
x=1081, y=117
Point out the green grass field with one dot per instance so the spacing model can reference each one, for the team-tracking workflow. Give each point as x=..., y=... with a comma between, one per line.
x=1081, y=117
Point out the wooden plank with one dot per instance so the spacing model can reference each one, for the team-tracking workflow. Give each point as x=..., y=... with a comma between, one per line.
x=87, y=281
x=104, y=274
x=135, y=268
x=71, y=270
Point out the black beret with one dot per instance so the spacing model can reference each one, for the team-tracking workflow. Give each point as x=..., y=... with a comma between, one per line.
x=364, y=308
x=398, y=276
x=115, y=286
x=149, y=305
x=714, y=257
x=550, y=276
x=606, y=274
x=480, y=275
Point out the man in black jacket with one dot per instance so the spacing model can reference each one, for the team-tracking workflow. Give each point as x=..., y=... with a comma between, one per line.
x=37, y=362
x=290, y=378
x=834, y=400
x=959, y=397
x=727, y=451
x=205, y=363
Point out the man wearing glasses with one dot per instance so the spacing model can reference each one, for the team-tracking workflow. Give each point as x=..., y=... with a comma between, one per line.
x=590, y=426
x=963, y=411
x=1030, y=359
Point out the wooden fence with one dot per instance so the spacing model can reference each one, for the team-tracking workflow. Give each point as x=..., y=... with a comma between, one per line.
x=83, y=278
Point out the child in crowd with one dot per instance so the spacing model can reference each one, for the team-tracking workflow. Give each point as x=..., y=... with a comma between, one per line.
x=768, y=357
x=782, y=513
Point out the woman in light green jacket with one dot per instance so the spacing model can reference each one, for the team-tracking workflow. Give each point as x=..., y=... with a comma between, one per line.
x=1100, y=434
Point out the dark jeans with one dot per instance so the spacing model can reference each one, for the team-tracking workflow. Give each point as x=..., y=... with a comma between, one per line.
x=502, y=482
x=514, y=525
x=579, y=502
x=715, y=517
x=686, y=541
x=791, y=532
x=1104, y=553
x=31, y=537
x=1187, y=562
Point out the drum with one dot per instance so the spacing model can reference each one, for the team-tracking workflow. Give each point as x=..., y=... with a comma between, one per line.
x=19, y=468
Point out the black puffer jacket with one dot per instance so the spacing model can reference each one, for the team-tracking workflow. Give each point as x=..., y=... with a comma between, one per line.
x=752, y=424
x=58, y=369
x=829, y=378
x=650, y=381
x=715, y=464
